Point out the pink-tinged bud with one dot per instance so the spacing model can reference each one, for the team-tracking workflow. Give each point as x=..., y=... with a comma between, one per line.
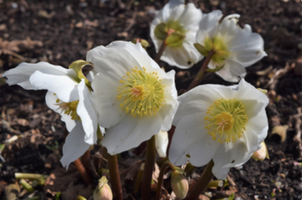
x=179, y=184
x=262, y=153
x=103, y=190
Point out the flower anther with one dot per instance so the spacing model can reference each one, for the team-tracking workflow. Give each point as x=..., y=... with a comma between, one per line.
x=225, y=120
x=142, y=93
x=69, y=108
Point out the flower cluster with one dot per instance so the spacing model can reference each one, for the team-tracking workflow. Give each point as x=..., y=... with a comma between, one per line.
x=133, y=99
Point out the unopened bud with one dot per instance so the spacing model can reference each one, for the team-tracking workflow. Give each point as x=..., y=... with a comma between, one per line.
x=103, y=190
x=143, y=42
x=262, y=153
x=179, y=184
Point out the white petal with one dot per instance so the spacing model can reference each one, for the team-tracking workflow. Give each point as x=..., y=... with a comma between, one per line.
x=229, y=155
x=200, y=98
x=50, y=100
x=172, y=10
x=21, y=74
x=114, y=59
x=231, y=71
x=207, y=24
x=161, y=143
x=170, y=107
x=105, y=100
x=130, y=133
x=74, y=146
x=190, y=17
x=60, y=82
x=191, y=138
x=87, y=114
x=182, y=57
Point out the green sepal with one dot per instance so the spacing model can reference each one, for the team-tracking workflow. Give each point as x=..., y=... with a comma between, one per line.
x=160, y=31
x=77, y=66
x=201, y=49
x=175, y=39
x=216, y=69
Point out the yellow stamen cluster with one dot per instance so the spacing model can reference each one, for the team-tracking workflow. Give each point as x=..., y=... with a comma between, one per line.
x=69, y=108
x=142, y=93
x=225, y=120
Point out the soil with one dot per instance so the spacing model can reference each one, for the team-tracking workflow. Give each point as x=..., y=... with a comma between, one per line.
x=60, y=32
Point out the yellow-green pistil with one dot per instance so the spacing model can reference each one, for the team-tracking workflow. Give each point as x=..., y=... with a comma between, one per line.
x=142, y=93
x=225, y=120
x=171, y=32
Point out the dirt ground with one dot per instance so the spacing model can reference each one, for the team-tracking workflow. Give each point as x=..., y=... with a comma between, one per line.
x=60, y=32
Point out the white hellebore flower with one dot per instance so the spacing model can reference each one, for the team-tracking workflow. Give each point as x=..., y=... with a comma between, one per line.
x=67, y=95
x=234, y=47
x=176, y=25
x=223, y=123
x=134, y=98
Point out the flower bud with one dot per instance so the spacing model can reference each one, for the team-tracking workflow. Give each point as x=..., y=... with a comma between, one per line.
x=179, y=184
x=103, y=190
x=143, y=42
x=262, y=153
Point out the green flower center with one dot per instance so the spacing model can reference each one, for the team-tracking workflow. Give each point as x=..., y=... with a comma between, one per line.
x=142, y=93
x=225, y=120
x=69, y=108
x=171, y=32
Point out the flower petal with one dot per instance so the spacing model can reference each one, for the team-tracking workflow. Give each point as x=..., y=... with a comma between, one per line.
x=105, y=59
x=161, y=143
x=87, y=113
x=74, y=146
x=21, y=74
x=105, y=100
x=60, y=82
x=229, y=155
x=50, y=100
x=130, y=133
x=192, y=142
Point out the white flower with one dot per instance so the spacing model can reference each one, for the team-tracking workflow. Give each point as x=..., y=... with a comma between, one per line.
x=235, y=47
x=179, y=22
x=226, y=124
x=67, y=95
x=134, y=98
x=161, y=143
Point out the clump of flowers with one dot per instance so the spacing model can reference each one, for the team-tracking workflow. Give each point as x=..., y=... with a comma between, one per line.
x=219, y=123
x=231, y=47
x=175, y=27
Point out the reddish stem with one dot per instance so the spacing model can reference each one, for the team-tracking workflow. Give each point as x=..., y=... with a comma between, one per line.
x=82, y=171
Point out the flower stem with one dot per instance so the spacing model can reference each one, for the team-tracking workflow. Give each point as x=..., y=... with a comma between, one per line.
x=160, y=51
x=166, y=164
x=82, y=171
x=202, y=183
x=86, y=162
x=149, y=166
x=201, y=71
x=115, y=177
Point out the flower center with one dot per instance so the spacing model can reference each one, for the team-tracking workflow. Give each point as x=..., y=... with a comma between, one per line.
x=69, y=108
x=225, y=120
x=219, y=47
x=142, y=93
